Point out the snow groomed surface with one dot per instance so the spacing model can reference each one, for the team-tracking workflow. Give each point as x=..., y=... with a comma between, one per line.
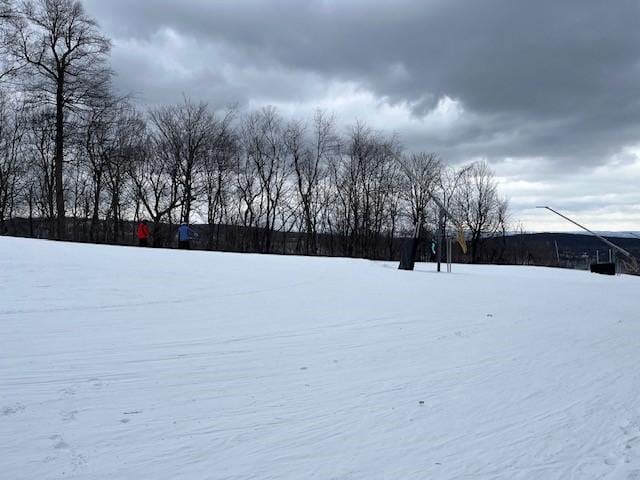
x=123, y=363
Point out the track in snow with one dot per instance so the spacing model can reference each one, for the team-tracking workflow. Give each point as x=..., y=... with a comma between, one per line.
x=140, y=363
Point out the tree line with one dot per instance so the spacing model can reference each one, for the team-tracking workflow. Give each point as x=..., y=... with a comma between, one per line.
x=79, y=162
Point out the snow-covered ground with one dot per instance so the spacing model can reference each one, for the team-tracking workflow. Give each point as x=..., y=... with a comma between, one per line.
x=127, y=363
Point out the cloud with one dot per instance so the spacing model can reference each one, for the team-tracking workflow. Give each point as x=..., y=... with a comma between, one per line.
x=547, y=91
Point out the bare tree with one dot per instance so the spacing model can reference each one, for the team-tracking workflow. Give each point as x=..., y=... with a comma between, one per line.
x=62, y=55
x=264, y=146
x=361, y=179
x=128, y=134
x=310, y=161
x=480, y=206
x=188, y=131
x=98, y=142
x=12, y=168
x=447, y=188
x=247, y=193
x=392, y=205
x=420, y=173
x=154, y=183
x=77, y=188
x=218, y=179
x=41, y=155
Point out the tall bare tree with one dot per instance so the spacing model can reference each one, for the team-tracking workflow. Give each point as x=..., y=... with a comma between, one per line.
x=447, y=189
x=363, y=176
x=154, y=183
x=41, y=154
x=188, y=131
x=128, y=136
x=481, y=208
x=420, y=173
x=97, y=144
x=246, y=198
x=218, y=180
x=12, y=165
x=310, y=161
x=264, y=147
x=62, y=55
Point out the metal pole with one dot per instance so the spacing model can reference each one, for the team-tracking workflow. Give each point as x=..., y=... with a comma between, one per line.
x=447, y=253
x=440, y=239
x=632, y=266
x=557, y=252
x=611, y=244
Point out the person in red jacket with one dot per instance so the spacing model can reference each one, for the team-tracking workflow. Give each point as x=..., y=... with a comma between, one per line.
x=143, y=234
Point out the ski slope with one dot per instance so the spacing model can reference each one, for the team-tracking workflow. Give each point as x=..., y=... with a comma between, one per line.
x=128, y=363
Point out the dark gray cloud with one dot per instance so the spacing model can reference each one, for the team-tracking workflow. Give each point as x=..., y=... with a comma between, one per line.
x=554, y=84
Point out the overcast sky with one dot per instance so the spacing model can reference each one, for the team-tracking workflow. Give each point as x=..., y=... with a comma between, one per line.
x=548, y=91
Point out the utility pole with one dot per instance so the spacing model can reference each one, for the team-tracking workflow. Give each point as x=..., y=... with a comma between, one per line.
x=441, y=234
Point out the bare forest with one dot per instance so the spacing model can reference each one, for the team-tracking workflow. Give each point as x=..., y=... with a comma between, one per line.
x=82, y=162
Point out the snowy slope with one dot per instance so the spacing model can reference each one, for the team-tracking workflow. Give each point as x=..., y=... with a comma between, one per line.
x=125, y=363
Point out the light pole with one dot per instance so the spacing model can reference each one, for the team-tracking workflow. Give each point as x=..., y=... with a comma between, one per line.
x=600, y=237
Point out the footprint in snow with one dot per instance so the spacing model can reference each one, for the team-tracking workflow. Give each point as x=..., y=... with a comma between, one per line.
x=134, y=412
x=59, y=443
x=95, y=382
x=68, y=416
x=631, y=432
x=77, y=461
x=12, y=409
x=68, y=392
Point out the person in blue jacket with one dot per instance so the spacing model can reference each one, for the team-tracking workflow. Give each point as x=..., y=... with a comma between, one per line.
x=184, y=236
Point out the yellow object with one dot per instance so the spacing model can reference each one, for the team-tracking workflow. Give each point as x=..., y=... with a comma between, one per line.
x=461, y=240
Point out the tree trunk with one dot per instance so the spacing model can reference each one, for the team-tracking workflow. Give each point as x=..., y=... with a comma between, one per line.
x=95, y=217
x=475, y=250
x=31, y=211
x=59, y=159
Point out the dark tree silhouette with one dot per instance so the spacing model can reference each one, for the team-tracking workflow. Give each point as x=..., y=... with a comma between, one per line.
x=62, y=56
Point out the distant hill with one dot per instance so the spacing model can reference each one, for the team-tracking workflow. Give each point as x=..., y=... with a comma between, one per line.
x=574, y=250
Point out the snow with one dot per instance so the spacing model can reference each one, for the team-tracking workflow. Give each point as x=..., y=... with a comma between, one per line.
x=129, y=363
